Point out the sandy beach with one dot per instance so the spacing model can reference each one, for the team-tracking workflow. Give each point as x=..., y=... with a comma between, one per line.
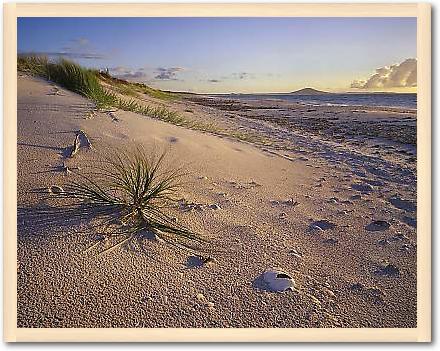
x=326, y=194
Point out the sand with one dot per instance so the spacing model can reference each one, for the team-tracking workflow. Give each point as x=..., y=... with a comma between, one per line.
x=334, y=215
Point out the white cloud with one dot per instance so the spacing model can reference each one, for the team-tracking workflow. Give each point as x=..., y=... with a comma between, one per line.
x=394, y=76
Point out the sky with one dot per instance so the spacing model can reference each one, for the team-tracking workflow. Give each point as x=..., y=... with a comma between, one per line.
x=236, y=55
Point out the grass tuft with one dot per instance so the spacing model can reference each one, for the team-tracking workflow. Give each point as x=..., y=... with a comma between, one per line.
x=130, y=194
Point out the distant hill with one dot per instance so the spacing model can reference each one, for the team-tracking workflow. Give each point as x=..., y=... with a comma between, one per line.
x=308, y=91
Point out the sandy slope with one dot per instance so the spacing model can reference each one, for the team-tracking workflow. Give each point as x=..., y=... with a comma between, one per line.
x=337, y=271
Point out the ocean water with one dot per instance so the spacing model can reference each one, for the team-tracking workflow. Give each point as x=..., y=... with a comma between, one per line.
x=408, y=101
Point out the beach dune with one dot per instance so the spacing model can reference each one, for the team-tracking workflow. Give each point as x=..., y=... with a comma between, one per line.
x=319, y=210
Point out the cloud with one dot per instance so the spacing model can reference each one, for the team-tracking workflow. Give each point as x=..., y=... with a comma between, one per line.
x=78, y=48
x=126, y=73
x=170, y=73
x=399, y=75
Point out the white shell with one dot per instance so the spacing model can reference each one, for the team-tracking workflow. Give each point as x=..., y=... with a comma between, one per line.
x=278, y=280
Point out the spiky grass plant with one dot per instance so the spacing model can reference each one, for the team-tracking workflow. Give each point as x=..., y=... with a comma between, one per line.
x=130, y=194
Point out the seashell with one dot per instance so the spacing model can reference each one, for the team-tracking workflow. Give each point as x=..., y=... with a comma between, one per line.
x=278, y=280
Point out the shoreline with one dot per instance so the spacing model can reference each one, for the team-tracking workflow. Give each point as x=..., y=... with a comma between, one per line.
x=314, y=100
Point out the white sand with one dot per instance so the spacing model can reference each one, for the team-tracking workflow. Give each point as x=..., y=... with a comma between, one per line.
x=150, y=284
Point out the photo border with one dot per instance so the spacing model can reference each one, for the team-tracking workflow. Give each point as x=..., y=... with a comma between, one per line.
x=423, y=331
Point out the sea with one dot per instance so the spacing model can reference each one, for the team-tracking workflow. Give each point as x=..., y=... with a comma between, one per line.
x=408, y=100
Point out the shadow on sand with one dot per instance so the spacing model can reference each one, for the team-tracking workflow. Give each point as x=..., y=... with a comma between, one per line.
x=100, y=226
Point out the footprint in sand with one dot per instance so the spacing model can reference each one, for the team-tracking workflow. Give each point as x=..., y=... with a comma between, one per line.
x=402, y=204
x=388, y=270
x=363, y=188
x=55, y=189
x=356, y=197
x=321, y=225
x=383, y=242
x=198, y=261
x=372, y=293
x=330, y=241
x=412, y=222
x=378, y=226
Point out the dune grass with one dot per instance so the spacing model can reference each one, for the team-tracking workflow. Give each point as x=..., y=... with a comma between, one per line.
x=155, y=93
x=87, y=82
x=70, y=76
x=35, y=65
x=158, y=112
x=134, y=88
x=130, y=194
x=80, y=80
